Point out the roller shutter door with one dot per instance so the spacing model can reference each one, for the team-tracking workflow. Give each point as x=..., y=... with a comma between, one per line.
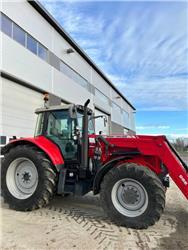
x=18, y=104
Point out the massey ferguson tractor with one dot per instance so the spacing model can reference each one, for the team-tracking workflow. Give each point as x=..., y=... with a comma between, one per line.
x=65, y=156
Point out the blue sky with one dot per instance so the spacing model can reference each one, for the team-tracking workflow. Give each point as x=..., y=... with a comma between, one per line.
x=143, y=48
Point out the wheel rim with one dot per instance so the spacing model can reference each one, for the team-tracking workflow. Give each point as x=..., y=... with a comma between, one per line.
x=129, y=197
x=22, y=178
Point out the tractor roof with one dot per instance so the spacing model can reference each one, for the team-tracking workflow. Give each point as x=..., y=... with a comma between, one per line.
x=63, y=107
x=52, y=108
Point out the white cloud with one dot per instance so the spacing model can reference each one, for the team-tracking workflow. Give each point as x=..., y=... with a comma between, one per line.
x=73, y=20
x=152, y=127
x=169, y=94
x=142, y=48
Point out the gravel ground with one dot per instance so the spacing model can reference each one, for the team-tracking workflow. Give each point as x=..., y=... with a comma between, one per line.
x=79, y=223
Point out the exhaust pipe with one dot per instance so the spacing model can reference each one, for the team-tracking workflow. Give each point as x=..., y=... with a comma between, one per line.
x=84, y=150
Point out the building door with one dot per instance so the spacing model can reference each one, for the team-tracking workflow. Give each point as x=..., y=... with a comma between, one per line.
x=18, y=105
x=99, y=123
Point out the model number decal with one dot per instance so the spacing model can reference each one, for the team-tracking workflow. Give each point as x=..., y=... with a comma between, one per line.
x=183, y=180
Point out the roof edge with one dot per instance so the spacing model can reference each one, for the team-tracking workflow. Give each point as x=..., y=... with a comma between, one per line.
x=46, y=15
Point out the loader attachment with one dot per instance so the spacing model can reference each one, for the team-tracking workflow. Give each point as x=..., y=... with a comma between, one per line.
x=177, y=155
x=177, y=168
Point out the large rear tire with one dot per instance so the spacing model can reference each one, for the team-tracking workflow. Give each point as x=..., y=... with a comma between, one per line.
x=132, y=196
x=28, y=180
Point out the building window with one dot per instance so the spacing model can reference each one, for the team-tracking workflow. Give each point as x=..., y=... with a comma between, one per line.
x=101, y=96
x=6, y=25
x=65, y=69
x=31, y=44
x=42, y=52
x=18, y=34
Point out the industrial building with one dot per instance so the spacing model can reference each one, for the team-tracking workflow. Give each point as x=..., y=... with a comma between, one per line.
x=37, y=57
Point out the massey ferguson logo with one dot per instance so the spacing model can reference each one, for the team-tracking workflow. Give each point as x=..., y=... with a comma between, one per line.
x=183, y=180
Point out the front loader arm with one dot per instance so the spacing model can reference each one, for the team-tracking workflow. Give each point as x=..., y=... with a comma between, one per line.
x=177, y=168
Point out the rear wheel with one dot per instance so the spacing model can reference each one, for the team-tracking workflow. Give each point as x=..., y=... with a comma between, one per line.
x=28, y=180
x=132, y=196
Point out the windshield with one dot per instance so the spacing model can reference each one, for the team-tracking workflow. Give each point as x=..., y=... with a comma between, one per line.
x=60, y=124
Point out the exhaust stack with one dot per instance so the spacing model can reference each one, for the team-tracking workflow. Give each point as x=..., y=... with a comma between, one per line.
x=84, y=151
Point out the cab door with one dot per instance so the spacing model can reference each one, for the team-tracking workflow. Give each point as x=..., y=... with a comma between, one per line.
x=61, y=129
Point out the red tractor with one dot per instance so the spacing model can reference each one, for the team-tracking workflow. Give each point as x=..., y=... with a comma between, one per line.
x=67, y=157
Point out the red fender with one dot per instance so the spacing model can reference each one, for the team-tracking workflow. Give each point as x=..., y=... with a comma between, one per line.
x=46, y=145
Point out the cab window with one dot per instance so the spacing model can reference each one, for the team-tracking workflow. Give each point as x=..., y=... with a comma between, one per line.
x=91, y=129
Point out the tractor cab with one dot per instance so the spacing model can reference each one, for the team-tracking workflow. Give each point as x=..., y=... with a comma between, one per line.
x=64, y=126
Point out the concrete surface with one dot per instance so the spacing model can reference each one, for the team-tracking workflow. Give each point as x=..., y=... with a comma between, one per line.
x=80, y=223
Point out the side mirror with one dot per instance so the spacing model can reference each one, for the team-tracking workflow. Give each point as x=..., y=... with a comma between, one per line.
x=100, y=116
x=105, y=120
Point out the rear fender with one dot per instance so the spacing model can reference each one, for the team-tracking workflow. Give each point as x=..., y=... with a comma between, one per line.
x=48, y=147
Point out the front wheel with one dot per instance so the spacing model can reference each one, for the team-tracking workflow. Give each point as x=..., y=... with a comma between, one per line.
x=132, y=196
x=28, y=180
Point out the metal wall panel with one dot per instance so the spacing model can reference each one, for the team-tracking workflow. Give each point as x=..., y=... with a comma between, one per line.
x=100, y=84
x=69, y=90
x=22, y=63
x=116, y=129
x=74, y=60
